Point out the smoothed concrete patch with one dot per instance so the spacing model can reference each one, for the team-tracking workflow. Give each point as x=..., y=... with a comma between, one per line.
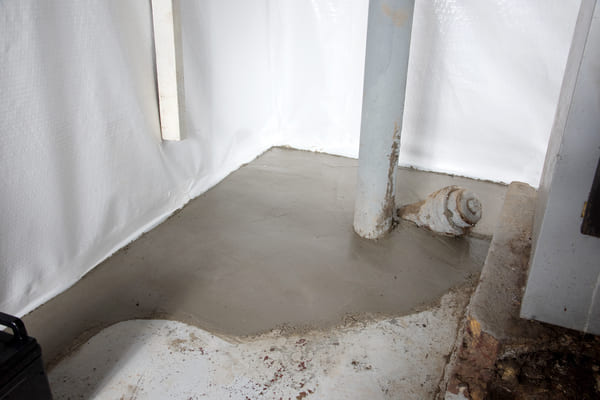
x=272, y=245
x=392, y=358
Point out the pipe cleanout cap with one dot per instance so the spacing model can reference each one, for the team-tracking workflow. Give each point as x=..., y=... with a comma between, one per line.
x=465, y=208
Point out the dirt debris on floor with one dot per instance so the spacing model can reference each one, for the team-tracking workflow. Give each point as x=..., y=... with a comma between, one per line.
x=496, y=356
x=500, y=356
x=568, y=367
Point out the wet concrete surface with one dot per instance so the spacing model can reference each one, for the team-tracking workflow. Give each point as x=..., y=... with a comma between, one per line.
x=272, y=246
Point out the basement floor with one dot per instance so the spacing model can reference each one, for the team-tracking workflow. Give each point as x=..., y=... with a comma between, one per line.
x=266, y=264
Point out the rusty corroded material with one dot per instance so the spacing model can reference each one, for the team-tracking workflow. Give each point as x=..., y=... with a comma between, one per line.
x=386, y=65
x=450, y=211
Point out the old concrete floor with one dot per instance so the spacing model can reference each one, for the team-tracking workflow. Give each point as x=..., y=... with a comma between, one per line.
x=272, y=246
x=390, y=358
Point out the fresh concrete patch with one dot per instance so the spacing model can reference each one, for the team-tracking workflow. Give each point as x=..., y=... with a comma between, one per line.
x=391, y=358
x=272, y=245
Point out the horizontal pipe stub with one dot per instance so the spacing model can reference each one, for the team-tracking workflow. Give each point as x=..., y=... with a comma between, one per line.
x=451, y=211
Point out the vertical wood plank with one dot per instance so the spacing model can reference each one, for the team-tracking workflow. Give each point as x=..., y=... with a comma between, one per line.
x=166, y=69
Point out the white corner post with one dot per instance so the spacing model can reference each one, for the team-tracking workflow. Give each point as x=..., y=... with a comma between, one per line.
x=388, y=43
x=167, y=74
x=564, y=271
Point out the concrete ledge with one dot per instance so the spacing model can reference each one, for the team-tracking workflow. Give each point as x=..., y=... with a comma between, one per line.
x=498, y=355
x=492, y=323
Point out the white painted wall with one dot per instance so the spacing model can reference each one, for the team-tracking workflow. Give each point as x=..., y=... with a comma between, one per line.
x=82, y=167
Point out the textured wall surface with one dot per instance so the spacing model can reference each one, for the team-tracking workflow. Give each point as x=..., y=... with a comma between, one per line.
x=82, y=167
x=483, y=82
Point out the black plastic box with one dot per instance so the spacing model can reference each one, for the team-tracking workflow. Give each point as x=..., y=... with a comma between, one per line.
x=22, y=375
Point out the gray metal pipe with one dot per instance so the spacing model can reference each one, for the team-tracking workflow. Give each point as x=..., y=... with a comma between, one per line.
x=388, y=43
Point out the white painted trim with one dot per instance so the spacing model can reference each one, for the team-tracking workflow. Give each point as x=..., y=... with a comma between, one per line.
x=166, y=69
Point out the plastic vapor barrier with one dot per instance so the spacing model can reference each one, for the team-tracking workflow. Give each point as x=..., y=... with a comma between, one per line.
x=82, y=167
x=483, y=82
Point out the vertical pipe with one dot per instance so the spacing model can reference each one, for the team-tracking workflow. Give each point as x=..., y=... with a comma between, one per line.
x=386, y=65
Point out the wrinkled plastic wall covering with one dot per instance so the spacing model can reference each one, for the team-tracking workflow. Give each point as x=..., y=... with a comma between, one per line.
x=82, y=167
x=483, y=83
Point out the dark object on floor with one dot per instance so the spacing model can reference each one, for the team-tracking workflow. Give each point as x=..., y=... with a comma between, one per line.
x=22, y=375
x=564, y=369
x=591, y=213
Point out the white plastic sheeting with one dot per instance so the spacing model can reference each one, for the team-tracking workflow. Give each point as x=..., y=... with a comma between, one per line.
x=82, y=167
x=483, y=83
x=483, y=86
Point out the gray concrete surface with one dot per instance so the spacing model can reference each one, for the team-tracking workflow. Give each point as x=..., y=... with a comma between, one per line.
x=497, y=299
x=492, y=325
x=271, y=245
